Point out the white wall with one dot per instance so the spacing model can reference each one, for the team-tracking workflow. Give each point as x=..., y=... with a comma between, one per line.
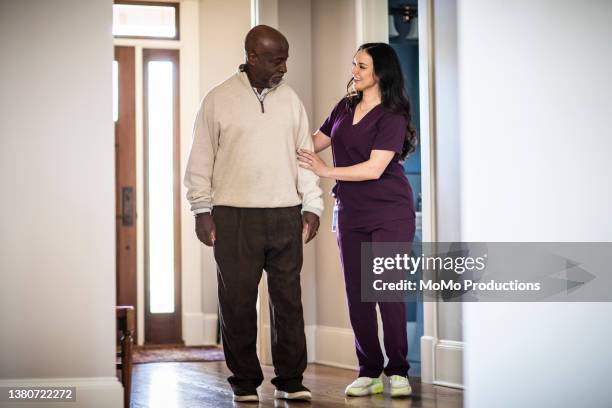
x=57, y=241
x=294, y=21
x=333, y=46
x=536, y=113
x=268, y=12
x=371, y=21
x=199, y=295
x=223, y=25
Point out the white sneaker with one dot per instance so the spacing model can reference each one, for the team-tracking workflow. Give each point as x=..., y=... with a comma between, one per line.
x=400, y=387
x=246, y=398
x=296, y=392
x=297, y=395
x=363, y=386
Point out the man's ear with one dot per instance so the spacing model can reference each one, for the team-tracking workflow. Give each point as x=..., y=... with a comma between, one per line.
x=251, y=58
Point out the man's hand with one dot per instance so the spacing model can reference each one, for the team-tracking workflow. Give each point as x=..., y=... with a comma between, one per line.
x=310, y=223
x=205, y=229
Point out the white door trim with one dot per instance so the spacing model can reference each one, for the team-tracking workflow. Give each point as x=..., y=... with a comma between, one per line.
x=441, y=360
x=427, y=140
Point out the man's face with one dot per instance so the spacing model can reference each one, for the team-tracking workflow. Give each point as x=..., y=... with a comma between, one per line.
x=268, y=65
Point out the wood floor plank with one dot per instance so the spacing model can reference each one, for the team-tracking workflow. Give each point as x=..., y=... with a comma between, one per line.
x=204, y=385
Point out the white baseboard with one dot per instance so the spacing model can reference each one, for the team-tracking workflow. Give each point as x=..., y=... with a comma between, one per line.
x=428, y=351
x=91, y=392
x=441, y=360
x=449, y=363
x=200, y=329
x=311, y=341
x=335, y=347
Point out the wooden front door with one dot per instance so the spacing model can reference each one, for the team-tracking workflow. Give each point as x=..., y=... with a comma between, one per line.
x=125, y=174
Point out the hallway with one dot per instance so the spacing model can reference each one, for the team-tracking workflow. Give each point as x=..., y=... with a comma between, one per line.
x=184, y=385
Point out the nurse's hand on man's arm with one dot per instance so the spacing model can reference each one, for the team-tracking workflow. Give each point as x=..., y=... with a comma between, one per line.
x=205, y=228
x=310, y=226
x=307, y=159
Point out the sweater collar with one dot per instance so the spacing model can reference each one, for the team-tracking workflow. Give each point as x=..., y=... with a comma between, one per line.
x=245, y=78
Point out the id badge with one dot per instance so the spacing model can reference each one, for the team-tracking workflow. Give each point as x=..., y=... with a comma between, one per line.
x=334, y=225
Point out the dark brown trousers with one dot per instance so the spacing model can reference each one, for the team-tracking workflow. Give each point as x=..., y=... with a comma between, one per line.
x=249, y=240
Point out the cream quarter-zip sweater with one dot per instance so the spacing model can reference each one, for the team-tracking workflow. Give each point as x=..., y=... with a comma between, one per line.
x=244, y=151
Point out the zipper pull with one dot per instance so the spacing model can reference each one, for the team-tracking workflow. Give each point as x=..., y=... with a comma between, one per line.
x=262, y=107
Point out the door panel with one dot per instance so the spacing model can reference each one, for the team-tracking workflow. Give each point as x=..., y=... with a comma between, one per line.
x=125, y=176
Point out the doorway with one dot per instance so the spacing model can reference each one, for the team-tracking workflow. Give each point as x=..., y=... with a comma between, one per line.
x=146, y=88
x=158, y=186
x=404, y=38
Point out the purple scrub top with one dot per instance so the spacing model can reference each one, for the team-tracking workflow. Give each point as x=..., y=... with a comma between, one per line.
x=370, y=202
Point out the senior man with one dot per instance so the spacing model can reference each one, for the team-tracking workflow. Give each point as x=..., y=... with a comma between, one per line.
x=256, y=206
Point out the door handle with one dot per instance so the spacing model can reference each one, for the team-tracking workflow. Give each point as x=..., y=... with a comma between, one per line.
x=127, y=206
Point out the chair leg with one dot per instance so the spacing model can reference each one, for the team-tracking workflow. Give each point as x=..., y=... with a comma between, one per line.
x=126, y=371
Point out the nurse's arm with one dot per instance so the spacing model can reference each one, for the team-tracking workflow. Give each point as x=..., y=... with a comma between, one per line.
x=370, y=169
x=321, y=141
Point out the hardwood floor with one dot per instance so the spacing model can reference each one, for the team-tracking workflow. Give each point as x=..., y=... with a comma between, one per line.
x=204, y=385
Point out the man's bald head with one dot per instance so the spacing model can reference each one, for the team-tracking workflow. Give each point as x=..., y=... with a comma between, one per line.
x=262, y=38
x=266, y=52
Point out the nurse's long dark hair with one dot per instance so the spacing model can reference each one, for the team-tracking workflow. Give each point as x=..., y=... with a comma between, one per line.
x=388, y=71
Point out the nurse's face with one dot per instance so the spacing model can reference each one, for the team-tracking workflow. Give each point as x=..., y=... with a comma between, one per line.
x=363, y=71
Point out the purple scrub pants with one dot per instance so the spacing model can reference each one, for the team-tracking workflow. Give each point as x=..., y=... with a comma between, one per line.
x=363, y=314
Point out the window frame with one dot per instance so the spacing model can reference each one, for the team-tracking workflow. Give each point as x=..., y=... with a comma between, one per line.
x=163, y=327
x=177, y=19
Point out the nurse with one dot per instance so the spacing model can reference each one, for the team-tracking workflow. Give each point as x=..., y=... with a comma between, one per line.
x=370, y=132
